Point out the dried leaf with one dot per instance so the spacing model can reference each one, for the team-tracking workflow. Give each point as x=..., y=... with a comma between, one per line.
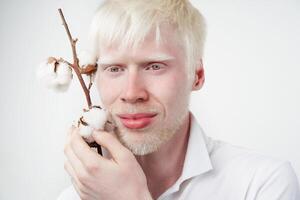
x=83, y=122
x=51, y=60
x=89, y=69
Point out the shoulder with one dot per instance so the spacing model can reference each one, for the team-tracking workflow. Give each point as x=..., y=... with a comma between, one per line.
x=263, y=176
x=69, y=194
x=223, y=154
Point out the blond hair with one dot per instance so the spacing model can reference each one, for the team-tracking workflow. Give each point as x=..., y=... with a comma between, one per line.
x=128, y=22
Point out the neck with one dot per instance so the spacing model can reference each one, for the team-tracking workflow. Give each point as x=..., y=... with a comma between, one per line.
x=163, y=167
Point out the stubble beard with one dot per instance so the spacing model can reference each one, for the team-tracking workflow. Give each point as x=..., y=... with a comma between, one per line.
x=149, y=140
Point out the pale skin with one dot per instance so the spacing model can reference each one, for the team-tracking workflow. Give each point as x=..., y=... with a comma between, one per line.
x=153, y=75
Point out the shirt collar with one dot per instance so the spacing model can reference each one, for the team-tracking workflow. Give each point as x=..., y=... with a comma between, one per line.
x=197, y=160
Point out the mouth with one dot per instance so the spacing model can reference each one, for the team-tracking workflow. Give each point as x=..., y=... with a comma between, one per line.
x=138, y=120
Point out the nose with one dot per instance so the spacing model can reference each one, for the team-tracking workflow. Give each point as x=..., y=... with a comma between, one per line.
x=134, y=89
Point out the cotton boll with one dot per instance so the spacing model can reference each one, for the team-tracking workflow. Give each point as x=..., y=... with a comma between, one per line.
x=46, y=67
x=86, y=58
x=59, y=79
x=63, y=69
x=64, y=79
x=92, y=119
x=95, y=117
x=42, y=70
x=45, y=73
x=85, y=131
x=60, y=87
x=64, y=74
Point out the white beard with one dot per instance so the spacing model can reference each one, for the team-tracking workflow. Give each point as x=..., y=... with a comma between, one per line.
x=142, y=142
x=149, y=141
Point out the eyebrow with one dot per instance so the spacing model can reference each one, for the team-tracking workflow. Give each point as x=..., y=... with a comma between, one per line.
x=105, y=61
x=155, y=57
x=160, y=57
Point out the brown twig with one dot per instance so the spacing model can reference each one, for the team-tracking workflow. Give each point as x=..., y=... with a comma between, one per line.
x=79, y=71
x=75, y=65
x=64, y=61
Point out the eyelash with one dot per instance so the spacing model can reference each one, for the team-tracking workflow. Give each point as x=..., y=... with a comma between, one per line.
x=148, y=67
x=113, y=67
x=154, y=64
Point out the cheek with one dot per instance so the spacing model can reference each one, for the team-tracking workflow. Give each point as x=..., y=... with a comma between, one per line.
x=108, y=90
x=171, y=91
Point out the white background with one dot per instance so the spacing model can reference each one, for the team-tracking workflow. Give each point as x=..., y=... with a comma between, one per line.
x=250, y=98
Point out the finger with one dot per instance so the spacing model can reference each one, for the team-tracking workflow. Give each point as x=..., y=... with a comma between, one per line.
x=76, y=164
x=69, y=133
x=68, y=167
x=112, y=144
x=89, y=158
x=80, y=187
x=81, y=194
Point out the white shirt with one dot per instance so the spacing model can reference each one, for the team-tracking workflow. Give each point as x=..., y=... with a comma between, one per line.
x=215, y=170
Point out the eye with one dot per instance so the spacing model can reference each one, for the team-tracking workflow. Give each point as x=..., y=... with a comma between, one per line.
x=154, y=66
x=114, y=69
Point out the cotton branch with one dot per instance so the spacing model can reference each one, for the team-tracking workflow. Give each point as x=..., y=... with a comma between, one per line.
x=75, y=64
x=89, y=70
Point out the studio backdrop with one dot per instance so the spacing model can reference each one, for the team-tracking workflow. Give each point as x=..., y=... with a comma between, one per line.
x=250, y=97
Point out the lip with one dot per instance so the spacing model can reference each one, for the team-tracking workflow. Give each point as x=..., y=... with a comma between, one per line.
x=137, y=121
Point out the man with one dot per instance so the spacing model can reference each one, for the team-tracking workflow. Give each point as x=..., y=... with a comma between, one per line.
x=150, y=59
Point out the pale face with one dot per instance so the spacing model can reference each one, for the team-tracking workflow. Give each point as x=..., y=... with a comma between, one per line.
x=146, y=92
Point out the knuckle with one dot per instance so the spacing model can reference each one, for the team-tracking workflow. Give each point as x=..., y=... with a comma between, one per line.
x=67, y=147
x=127, y=155
x=129, y=161
x=70, y=131
x=92, y=168
x=82, y=178
x=83, y=196
x=108, y=136
x=71, y=142
x=104, y=136
x=82, y=189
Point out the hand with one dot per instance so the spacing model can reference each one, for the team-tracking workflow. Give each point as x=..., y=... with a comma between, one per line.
x=98, y=178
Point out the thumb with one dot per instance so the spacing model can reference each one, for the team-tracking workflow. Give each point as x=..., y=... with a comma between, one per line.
x=112, y=144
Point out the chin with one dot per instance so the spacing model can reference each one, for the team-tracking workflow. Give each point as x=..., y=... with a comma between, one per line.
x=144, y=143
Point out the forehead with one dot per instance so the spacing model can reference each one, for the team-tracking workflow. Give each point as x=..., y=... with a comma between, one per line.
x=162, y=45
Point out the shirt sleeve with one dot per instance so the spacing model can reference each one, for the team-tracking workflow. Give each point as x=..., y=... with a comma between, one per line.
x=282, y=184
x=69, y=194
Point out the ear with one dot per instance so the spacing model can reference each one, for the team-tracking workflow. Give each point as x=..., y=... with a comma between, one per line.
x=199, y=77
